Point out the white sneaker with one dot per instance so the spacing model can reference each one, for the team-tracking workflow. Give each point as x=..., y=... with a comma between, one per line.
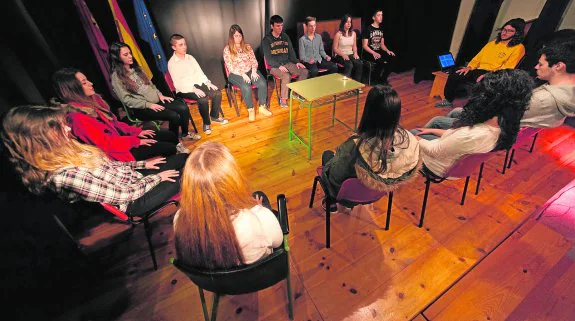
x=264, y=111
x=251, y=114
x=182, y=149
x=192, y=136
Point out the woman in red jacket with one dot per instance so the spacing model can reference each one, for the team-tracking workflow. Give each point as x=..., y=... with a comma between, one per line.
x=93, y=123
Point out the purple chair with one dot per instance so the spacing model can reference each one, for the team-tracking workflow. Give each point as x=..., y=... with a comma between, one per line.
x=351, y=190
x=524, y=134
x=463, y=168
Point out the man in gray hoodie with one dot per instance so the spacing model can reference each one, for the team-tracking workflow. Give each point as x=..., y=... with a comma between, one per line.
x=550, y=103
x=553, y=102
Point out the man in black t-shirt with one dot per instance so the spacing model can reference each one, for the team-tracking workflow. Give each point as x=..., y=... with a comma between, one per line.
x=375, y=50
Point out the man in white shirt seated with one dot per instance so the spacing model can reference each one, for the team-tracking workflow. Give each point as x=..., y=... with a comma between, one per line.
x=550, y=103
x=191, y=82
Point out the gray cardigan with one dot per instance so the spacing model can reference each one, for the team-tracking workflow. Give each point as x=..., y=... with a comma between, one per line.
x=142, y=99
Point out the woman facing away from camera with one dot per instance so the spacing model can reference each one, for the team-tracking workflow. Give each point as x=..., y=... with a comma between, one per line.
x=220, y=224
x=47, y=157
x=382, y=155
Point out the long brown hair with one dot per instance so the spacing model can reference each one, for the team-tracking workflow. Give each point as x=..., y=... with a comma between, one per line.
x=213, y=191
x=37, y=141
x=69, y=90
x=117, y=66
x=232, y=44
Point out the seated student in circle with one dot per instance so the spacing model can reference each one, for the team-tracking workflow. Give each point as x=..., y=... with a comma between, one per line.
x=382, y=155
x=219, y=224
x=504, y=52
x=489, y=121
x=345, y=49
x=138, y=93
x=93, y=122
x=191, y=82
x=280, y=56
x=42, y=150
x=375, y=49
x=550, y=103
x=312, y=52
x=243, y=71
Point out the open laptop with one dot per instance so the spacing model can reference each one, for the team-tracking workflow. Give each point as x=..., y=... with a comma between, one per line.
x=447, y=63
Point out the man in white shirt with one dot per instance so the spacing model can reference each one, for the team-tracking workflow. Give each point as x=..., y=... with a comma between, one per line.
x=191, y=82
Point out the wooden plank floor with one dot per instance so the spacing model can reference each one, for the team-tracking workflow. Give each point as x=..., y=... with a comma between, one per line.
x=369, y=273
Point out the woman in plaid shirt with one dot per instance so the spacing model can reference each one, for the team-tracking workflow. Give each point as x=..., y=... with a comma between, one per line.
x=48, y=157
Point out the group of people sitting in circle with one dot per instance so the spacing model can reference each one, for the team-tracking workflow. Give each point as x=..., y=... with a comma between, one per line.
x=79, y=150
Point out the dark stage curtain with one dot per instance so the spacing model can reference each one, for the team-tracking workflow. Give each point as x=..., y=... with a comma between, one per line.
x=205, y=25
x=478, y=29
x=416, y=30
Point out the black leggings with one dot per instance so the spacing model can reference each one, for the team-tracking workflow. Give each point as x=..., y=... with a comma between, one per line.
x=163, y=191
x=165, y=145
x=455, y=80
x=176, y=113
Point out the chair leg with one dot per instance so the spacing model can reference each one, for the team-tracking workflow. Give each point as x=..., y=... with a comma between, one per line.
x=511, y=158
x=327, y=222
x=479, y=178
x=235, y=101
x=389, y=202
x=228, y=94
x=533, y=142
x=312, y=197
x=66, y=231
x=150, y=245
x=204, y=307
x=290, y=300
x=215, y=306
x=277, y=90
x=422, y=216
x=194, y=125
x=465, y=190
x=505, y=162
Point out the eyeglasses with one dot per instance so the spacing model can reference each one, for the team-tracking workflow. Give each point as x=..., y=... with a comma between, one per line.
x=507, y=30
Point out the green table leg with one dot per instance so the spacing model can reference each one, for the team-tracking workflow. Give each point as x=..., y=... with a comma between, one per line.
x=333, y=112
x=290, y=116
x=309, y=130
x=356, y=109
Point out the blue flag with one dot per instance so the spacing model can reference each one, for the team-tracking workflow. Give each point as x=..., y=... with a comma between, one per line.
x=148, y=33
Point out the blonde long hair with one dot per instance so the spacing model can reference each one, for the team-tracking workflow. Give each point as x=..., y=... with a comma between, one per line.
x=37, y=140
x=213, y=191
x=232, y=44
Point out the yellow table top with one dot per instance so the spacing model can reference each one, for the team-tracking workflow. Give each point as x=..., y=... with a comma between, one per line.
x=328, y=85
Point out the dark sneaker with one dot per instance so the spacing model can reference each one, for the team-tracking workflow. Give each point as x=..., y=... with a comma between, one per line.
x=444, y=104
x=221, y=121
x=207, y=129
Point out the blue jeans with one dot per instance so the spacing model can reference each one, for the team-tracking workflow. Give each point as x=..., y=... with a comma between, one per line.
x=246, y=88
x=440, y=122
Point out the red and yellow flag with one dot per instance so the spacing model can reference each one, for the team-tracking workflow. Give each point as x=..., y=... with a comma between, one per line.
x=126, y=36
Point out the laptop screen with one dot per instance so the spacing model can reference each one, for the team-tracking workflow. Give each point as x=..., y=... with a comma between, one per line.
x=446, y=60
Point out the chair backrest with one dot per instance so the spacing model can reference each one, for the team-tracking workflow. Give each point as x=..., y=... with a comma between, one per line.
x=169, y=82
x=467, y=164
x=353, y=190
x=268, y=67
x=243, y=279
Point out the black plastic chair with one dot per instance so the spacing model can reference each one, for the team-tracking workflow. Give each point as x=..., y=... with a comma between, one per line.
x=246, y=278
x=352, y=190
x=128, y=219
